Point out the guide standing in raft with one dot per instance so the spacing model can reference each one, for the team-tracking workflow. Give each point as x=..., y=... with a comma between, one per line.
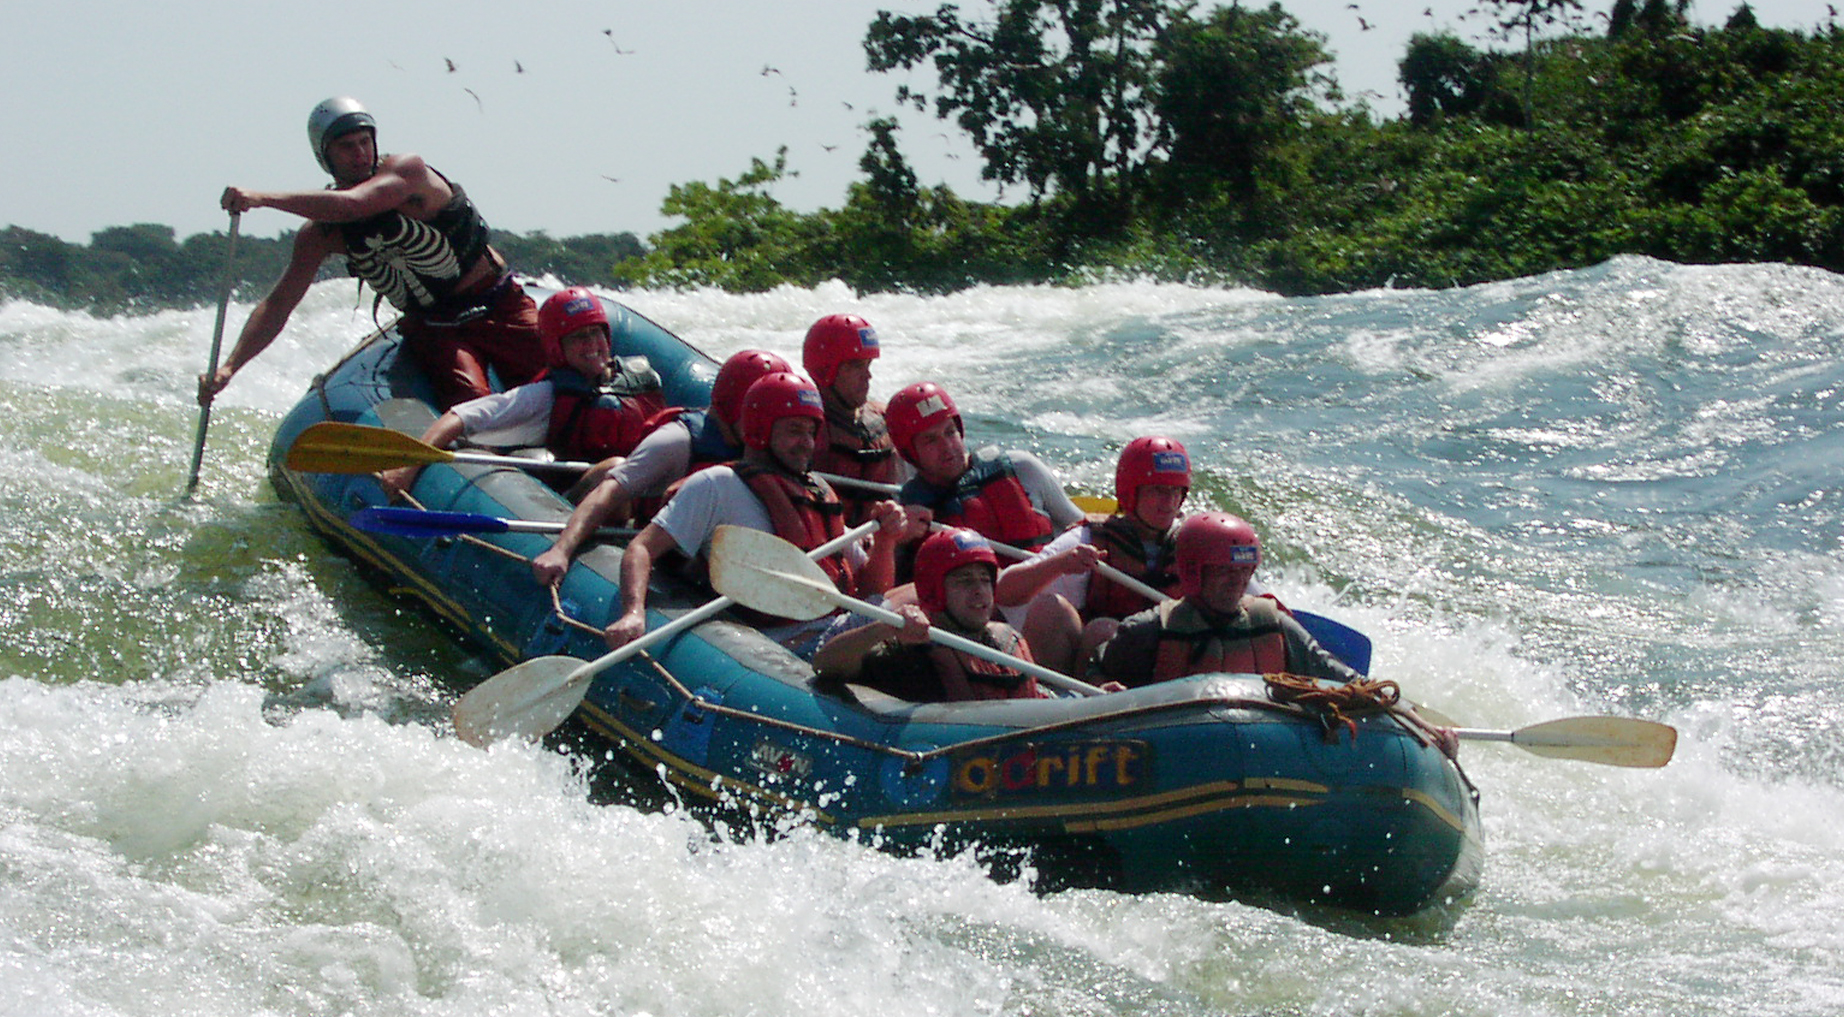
x=416, y=239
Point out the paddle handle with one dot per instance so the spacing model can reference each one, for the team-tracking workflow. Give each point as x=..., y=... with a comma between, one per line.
x=217, y=345
x=693, y=617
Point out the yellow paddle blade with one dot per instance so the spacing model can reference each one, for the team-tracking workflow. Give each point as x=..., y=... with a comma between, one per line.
x=333, y=447
x=1095, y=503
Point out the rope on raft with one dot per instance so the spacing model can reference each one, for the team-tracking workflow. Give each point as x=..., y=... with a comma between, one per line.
x=1335, y=705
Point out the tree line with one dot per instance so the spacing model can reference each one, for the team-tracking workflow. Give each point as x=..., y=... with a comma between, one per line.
x=145, y=267
x=1158, y=137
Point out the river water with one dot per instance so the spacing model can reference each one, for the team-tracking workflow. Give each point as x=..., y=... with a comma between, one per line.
x=227, y=786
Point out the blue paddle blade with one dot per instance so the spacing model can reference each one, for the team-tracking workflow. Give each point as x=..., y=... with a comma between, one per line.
x=407, y=522
x=1340, y=640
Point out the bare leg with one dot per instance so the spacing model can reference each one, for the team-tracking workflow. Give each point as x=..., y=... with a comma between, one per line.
x=1053, y=629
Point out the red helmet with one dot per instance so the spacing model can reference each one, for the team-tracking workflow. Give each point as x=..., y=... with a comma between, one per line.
x=774, y=396
x=941, y=553
x=568, y=310
x=832, y=341
x=915, y=409
x=1213, y=538
x=1149, y=460
x=734, y=378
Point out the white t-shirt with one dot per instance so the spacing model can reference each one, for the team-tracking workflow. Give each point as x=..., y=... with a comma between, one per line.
x=717, y=496
x=661, y=458
x=1045, y=490
x=518, y=416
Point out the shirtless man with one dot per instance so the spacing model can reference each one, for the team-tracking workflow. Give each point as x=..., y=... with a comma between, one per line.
x=413, y=236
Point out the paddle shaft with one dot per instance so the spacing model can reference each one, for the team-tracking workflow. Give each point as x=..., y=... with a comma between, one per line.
x=217, y=345
x=693, y=617
x=1015, y=553
x=945, y=638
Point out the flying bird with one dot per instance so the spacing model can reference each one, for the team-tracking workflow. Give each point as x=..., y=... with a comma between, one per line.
x=519, y=67
x=767, y=70
x=477, y=102
x=612, y=180
x=450, y=63
x=611, y=41
x=1363, y=25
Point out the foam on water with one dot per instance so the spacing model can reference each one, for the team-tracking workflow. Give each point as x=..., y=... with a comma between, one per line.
x=227, y=786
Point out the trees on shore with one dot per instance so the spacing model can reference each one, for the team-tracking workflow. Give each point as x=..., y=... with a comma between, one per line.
x=1156, y=137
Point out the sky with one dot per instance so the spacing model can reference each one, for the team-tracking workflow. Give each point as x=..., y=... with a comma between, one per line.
x=567, y=116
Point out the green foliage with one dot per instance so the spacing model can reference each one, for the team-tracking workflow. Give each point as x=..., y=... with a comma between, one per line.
x=1207, y=146
x=1051, y=92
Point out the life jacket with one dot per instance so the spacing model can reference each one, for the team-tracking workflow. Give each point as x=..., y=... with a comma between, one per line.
x=987, y=499
x=1190, y=643
x=592, y=421
x=987, y=680
x=416, y=264
x=856, y=444
x=805, y=512
x=709, y=448
x=922, y=673
x=1118, y=540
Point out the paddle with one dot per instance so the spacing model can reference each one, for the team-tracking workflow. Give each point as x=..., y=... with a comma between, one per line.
x=333, y=447
x=530, y=699
x=217, y=343
x=1611, y=741
x=761, y=571
x=1085, y=502
x=410, y=522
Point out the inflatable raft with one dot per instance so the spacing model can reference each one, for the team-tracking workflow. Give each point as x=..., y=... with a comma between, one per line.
x=1205, y=785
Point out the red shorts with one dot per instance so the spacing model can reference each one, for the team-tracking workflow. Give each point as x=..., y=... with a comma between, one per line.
x=456, y=355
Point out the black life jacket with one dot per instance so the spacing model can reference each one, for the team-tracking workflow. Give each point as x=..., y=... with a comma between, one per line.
x=987, y=499
x=856, y=444
x=417, y=265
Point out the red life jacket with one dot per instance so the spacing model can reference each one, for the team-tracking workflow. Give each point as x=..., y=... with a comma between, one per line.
x=805, y=514
x=591, y=421
x=987, y=680
x=856, y=445
x=1118, y=539
x=987, y=499
x=1190, y=643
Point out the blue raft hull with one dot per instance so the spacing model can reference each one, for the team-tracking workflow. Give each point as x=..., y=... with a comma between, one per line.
x=1200, y=786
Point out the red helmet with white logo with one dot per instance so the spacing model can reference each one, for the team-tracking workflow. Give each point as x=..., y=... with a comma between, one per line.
x=774, y=396
x=734, y=378
x=941, y=553
x=1213, y=538
x=915, y=409
x=832, y=341
x=568, y=310
x=1149, y=460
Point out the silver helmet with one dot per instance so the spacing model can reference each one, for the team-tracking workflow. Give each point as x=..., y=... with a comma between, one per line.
x=335, y=117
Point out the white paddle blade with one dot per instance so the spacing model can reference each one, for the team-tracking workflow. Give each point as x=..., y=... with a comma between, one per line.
x=761, y=571
x=1612, y=741
x=525, y=701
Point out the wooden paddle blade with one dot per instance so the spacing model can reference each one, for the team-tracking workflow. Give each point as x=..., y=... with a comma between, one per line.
x=525, y=701
x=333, y=447
x=761, y=571
x=1612, y=741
